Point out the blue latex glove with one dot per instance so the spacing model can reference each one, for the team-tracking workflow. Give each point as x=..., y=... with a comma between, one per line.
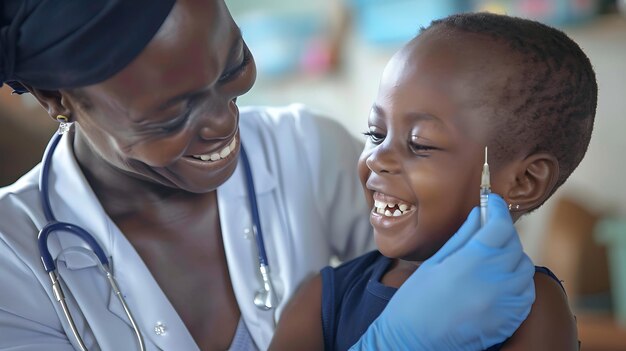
x=473, y=293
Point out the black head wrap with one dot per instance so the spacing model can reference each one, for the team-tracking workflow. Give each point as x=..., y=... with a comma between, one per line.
x=54, y=44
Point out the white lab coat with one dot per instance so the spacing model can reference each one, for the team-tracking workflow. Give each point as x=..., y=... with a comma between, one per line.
x=311, y=206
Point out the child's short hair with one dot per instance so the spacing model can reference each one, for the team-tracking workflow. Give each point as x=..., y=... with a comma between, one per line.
x=552, y=104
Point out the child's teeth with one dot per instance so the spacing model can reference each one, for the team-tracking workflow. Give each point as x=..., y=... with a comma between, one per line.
x=205, y=157
x=391, y=209
x=215, y=157
x=232, y=145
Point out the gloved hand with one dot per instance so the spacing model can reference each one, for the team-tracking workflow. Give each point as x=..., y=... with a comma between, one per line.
x=473, y=293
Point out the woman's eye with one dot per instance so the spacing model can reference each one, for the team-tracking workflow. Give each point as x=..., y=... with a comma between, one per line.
x=237, y=71
x=175, y=123
x=375, y=137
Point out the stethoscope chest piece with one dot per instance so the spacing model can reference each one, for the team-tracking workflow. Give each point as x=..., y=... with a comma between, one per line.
x=264, y=297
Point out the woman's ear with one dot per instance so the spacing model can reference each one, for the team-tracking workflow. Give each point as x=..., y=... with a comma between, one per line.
x=535, y=179
x=52, y=101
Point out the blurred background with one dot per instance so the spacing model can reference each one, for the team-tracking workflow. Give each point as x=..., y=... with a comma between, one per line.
x=329, y=55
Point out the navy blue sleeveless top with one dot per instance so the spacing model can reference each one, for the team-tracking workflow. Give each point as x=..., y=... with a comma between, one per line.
x=353, y=297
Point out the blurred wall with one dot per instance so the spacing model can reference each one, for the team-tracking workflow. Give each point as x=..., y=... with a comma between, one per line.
x=24, y=132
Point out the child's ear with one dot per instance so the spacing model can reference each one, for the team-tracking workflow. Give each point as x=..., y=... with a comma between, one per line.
x=535, y=178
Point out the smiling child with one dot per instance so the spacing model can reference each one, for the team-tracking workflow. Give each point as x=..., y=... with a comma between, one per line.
x=523, y=89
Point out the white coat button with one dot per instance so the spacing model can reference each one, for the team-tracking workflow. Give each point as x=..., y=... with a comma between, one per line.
x=246, y=233
x=160, y=329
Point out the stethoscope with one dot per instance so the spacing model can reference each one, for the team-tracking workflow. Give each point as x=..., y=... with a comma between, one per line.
x=263, y=299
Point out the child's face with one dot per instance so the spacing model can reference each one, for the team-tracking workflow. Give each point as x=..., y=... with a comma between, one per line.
x=425, y=155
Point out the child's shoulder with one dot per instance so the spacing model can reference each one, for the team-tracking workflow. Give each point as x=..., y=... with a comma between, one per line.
x=347, y=274
x=550, y=324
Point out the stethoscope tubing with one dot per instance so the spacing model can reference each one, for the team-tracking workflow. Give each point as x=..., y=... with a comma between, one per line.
x=264, y=297
x=54, y=225
x=256, y=219
x=42, y=241
x=43, y=178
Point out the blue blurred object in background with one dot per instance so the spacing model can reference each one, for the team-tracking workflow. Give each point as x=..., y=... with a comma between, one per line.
x=397, y=21
x=552, y=12
x=612, y=233
x=287, y=37
x=280, y=41
x=393, y=22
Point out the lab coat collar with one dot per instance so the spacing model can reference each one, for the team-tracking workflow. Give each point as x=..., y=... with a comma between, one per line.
x=71, y=194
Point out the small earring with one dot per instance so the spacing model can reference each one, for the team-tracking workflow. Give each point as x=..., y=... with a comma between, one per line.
x=64, y=124
x=511, y=207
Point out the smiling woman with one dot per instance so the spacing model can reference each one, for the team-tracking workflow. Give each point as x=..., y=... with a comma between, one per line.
x=154, y=136
x=150, y=168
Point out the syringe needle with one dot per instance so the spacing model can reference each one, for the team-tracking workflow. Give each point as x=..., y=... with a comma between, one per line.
x=485, y=189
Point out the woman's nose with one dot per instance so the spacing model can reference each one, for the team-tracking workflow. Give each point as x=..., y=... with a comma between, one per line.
x=384, y=159
x=219, y=123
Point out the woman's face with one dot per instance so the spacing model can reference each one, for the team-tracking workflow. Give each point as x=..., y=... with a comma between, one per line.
x=170, y=117
x=422, y=162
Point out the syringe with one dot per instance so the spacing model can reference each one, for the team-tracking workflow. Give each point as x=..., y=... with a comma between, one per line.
x=485, y=189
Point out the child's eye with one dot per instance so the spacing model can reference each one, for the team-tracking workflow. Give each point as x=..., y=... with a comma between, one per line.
x=375, y=137
x=420, y=148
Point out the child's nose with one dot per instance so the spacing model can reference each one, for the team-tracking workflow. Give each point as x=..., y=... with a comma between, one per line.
x=383, y=160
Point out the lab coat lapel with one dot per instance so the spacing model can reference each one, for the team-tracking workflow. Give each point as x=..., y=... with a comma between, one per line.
x=146, y=300
x=88, y=287
x=239, y=243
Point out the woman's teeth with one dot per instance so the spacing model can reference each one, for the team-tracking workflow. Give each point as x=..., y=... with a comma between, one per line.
x=218, y=155
x=391, y=209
